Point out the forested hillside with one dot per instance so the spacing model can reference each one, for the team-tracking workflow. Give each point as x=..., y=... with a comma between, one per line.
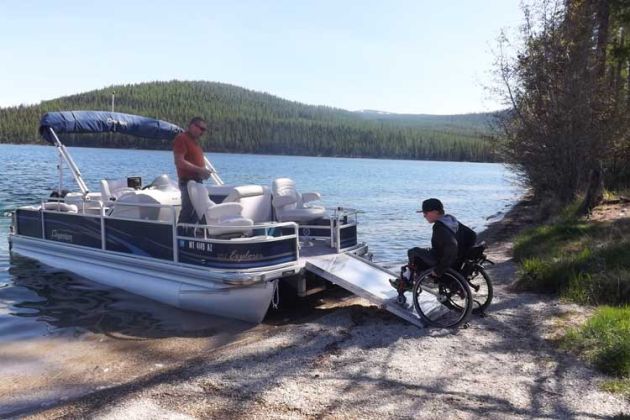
x=245, y=121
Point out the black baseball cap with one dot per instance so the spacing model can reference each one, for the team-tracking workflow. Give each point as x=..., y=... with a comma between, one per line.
x=430, y=205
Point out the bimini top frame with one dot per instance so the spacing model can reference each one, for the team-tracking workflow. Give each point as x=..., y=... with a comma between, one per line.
x=81, y=122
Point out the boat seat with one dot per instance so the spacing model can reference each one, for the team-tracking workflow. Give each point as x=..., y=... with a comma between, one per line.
x=289, y=204
x=223, y=217
x=256, y=202
x=112, y=189
x=60, y=207
x=88, y=204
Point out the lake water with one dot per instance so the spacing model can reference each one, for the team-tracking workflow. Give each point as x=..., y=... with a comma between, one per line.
x=39, y=301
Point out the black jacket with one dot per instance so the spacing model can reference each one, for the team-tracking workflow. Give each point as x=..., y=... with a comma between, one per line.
x=444, y=247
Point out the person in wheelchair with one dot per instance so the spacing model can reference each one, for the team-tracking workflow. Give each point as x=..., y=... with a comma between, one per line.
x=450, y=241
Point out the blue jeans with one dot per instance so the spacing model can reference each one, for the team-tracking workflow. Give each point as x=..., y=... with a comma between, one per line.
x=421, y=258
x=187, y=214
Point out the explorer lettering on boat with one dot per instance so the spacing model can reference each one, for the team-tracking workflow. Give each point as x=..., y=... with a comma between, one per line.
x=61, y=236
x=245, y=256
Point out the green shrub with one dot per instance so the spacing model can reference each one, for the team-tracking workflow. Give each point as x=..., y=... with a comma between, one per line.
x=588, y=263
x=548, y=240
x=604, y=340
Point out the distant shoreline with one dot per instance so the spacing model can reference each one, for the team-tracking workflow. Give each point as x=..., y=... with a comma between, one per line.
x=258, y=154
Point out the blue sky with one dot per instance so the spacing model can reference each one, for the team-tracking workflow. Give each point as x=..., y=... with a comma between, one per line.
x=418, y=56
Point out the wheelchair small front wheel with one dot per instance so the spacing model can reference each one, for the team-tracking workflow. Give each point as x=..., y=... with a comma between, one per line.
x=443, y=302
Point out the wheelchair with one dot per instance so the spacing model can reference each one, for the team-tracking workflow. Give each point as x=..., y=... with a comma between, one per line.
x=448, y=301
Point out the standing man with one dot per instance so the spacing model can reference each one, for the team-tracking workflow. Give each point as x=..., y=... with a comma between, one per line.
x=190, y=164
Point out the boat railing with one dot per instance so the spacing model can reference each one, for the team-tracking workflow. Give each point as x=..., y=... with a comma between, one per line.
x=270, y=228
x=339, y=228
x=345, y=221
x=192, y=234
x=96, y=204
x=198, y=235
x=256, y=232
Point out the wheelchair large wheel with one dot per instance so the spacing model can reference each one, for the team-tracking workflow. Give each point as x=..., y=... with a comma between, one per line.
x=445, y=302
x=481, y=289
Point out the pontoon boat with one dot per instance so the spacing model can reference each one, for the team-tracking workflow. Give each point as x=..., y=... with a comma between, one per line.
x=125, y=233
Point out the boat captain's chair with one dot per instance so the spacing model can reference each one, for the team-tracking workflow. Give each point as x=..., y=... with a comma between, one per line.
x=224, y=217
x=112, y=189
x=289, y=204
x=256, y=202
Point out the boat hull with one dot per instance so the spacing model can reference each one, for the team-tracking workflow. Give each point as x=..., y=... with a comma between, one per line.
x=238, y=295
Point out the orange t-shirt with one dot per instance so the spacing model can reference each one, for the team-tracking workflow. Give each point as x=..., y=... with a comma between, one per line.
x=193, y=153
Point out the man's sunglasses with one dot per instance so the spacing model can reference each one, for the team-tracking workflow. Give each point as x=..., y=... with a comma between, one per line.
x=201, y=127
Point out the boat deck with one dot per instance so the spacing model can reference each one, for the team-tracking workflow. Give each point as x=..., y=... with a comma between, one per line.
x=315, y=248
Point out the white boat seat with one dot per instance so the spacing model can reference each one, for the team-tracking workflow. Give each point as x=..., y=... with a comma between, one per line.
x=61, y=207
x=256, y=202
x=112, y=189
x=224, y=217
x=88, y=204
x=149, y=204
x=289, y=204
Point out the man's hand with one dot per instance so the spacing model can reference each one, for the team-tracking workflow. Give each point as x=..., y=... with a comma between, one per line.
x=205, y=173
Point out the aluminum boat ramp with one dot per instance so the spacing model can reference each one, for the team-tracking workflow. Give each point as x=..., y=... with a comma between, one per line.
x=363, y=278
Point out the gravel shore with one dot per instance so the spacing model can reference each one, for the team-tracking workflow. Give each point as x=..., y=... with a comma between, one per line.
x=354, y=360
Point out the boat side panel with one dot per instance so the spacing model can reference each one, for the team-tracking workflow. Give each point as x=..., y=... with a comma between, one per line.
x=29, y=223
x=237, y=255
x=139, y=238
x=348, y=236
x=73, y=229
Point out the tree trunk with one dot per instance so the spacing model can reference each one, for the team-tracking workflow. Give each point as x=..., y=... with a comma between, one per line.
x=603, y=21
x=594, y=193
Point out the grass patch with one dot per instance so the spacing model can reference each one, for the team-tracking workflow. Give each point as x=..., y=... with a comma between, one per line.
x=605, y=342
x=587, y=262
x=618, y=386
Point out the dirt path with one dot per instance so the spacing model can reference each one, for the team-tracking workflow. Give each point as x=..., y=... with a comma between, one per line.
x=360, y=362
